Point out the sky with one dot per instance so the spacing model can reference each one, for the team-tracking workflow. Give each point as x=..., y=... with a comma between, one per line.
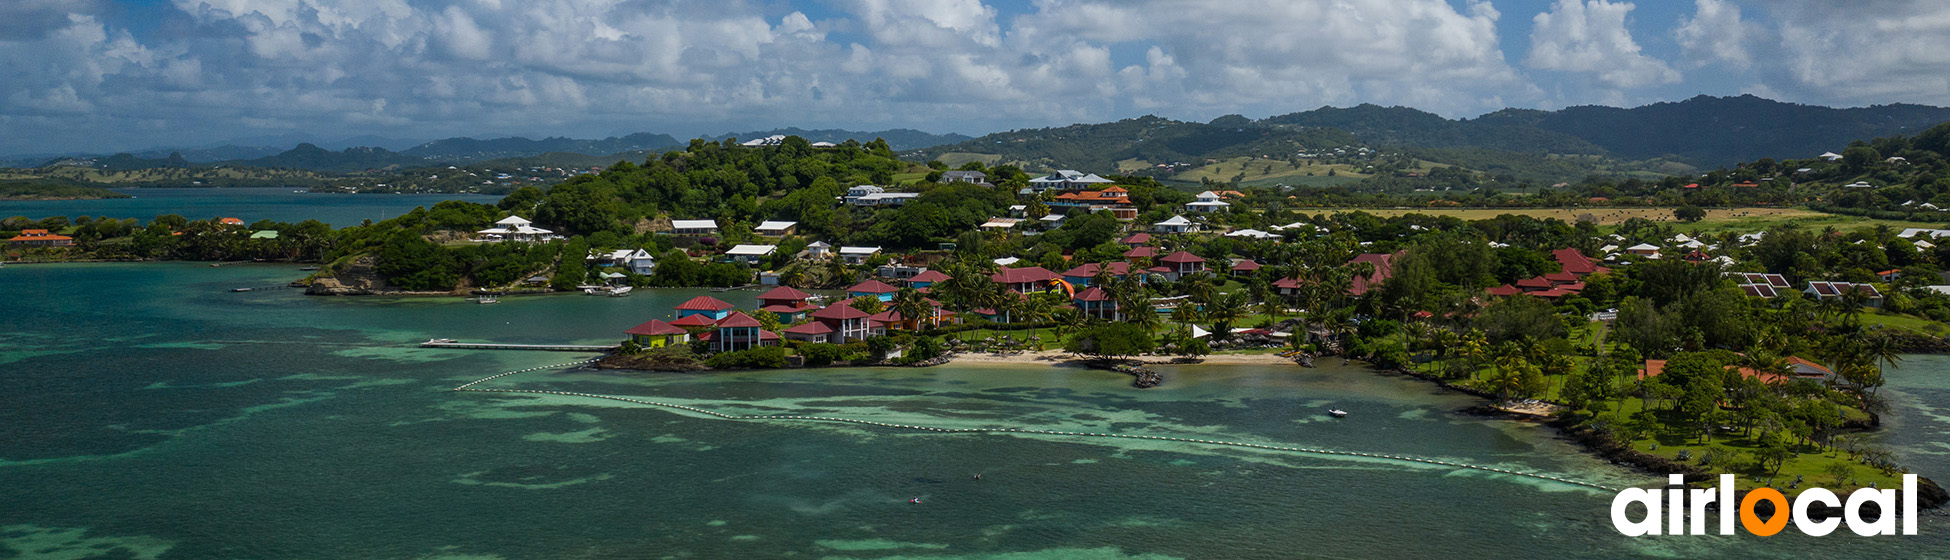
x=108, y=75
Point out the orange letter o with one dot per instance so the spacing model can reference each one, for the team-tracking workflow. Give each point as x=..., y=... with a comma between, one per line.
x=1752, y=522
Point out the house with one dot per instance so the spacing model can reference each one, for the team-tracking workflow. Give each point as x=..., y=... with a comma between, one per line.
x=704, y=306
x=1182, y=264
x=1081, y=275
x=819, y=249
x=1025, y=279
x=893, y=318
x=1910, y=233
x=1052, y=221
x=1647, y=250
x=975, y=177
x=1384, y=267
x=1208, y=201
x=1019, y=211
x=1250, y=233
x=844, y=323
x=230, y=221
x=1139, y=238
x=858, y=255
x=658, y=334
x=1177, y=224
x=775, y=228
x=40, y=238
x=1065, y=180
x=1574, y=262
x=1505, y=290
x=637, y=261
x=883, y=199
x=897, y=271
x=751, y=254
x=999, y=223
x=772, y=140
x=1137, y=254
x=511, y=228
x=818, y=332
x=787, y=303
x=1836, y=290
x=1288, y=287
x=693, y=227
x=1115, y=200
x=1096, y=303
x=1244, y=267
x=1805, y=369
x=927, y=279
x=739, y=331
x=1655, y=367
x=1859, y=185
x=872, y=289
x=1890, y=275
x=1759, y=284
x=1830, y=156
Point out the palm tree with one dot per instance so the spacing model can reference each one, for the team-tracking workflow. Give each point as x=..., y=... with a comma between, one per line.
x=913, y=308
x=1037, y=309
x=1224, y=311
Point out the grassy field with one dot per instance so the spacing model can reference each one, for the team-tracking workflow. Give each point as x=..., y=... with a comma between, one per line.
x=1718, y=219
x=1259, y=170
x=956, y=159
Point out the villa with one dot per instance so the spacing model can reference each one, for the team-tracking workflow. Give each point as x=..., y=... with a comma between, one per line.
x=1208, y=201
x=693, y=227
x=751, y=254
x=511, y=228
x=1065, y=180
x=1177, y=224
x=774, y=228
x=40, y=238
x=658, y=334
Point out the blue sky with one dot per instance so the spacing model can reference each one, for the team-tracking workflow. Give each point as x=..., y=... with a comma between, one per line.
x=106, y=75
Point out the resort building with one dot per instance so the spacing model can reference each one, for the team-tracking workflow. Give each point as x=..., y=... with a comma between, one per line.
x=1025, y=279
x=706, y=306
x=1576, y=263
x=739, y=331
x=1839, y=290
x=927, y=279
x=1177, y=224
x=658, y=334
x=1115, y=200
x=1181, y=264
x=1096, y=303
x=846, y=323
x=1245, y=268
x=1208, y=201
x=1136, y=239
x=1384, y=267
x=872, y=289
x=788, y=304
x=39, y=238
x=1066, y=180
x=1081, y=275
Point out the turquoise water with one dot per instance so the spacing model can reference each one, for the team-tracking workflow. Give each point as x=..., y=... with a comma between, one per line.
x=150, y=413
x=250, y=205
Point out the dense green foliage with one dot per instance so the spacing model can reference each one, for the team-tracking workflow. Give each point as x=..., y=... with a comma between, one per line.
x=49, y=191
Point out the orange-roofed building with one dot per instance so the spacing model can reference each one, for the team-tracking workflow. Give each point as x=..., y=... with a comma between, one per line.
x=230, y=221
x=40, y=238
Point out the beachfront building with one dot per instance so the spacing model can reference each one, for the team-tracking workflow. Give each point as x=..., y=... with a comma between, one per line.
x=1207, y=201
x=705, y=306
x=1081, y=275
x=658, y=334
x=1096, y=303
x=927, y=279
x=1840, y=290
x=1024, y=280
x=771, y=228
x=1065, y=180
x=790, y=305
x=693, y=227
x=511, y=228
x=751, y=254
x=39, y=238
x=846, y=323
x=637, y=261
x=739, y=331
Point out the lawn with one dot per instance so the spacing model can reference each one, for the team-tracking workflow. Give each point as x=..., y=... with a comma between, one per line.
x=1912, y=323
x=1262, y=170
x=1811, y=465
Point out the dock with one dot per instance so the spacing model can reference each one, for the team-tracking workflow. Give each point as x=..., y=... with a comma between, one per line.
x=449, y=343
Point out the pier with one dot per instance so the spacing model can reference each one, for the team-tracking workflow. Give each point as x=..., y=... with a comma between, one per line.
x=450, y=343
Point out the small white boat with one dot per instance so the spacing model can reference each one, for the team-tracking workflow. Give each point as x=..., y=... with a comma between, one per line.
x=1337, y=413
x=486, y=299
x=620, y=291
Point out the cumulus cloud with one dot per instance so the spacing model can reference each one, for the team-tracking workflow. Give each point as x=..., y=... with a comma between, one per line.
x=1716, y=32
x=1869, y=51
x=1591, y=38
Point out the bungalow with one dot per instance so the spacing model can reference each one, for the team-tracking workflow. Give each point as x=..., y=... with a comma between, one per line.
x=1244, y=267
x=857, y=255
x=1207, y=201
x=1288, y=287
x=873, y=289
x=1140, y=253
x=707, y=306
x=751, y=254
x=1575, y=262
x=1384, y=267
x=975, y=177
x=819, y=249
x=1139, y=238
x=1052, y=221
x=1182, y=264
x=846, y=323
x=1065, y=180
x=787, y=303
x=1081, y=275
x=636, y=261
x=1177, y=224
x=739, y=332
x=1834, y=290
x=658, y=334
x=817, y=332
x=40, y=238
x=927, y=279
x=774, y=228
x=1096, y=303
x=1025, y=279
x=693, y=227
x=1646, y=250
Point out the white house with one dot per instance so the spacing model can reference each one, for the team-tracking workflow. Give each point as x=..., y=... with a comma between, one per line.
x=883, y=199
x=1859, y=185
x=999, y=223
x=1251, y=233
x=637, y=261
x=819, y=249
x=1208, y=201
x=857, y=255
x=751, y=254
x=693, y=227
x=1910, y=233
x=1831, y=156
x=515, y=228
x=774, y=229
x=1065, y=180
x=1177, y=224
x=1052, y=221
x=1644, y=250
x=772, y=140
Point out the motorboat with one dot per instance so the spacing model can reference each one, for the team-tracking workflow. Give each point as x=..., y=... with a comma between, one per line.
x=486, y=299
x=1337, y=413
x=620, y=291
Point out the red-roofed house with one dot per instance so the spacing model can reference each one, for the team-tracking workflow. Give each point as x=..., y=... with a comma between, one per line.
x=1025, y=279
x=847, y=323
x=1505, y=290
x=40, y=238
x=1181, y=264
x=739, y=331
x=1139, y=238
x=816, y=331
x=704, y=305
x=873, y=289
x=1288, y=287
x=1245, y=267
x=785, y=296
x=658, y=334
x=230, y=221
x=1081, y=275
x=1140, y=253
x=1096, y=303
x=1535, y=284
x=1384, y=267
x=1655, y=367
x=927, y=279
x=696, y=322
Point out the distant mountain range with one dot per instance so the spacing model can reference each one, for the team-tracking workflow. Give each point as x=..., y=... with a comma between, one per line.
x=1702, y=132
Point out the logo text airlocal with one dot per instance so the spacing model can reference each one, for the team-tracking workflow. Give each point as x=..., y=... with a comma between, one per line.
x=1677, y=502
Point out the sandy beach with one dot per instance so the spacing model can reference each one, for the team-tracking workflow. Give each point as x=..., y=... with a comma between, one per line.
x=1059, y=356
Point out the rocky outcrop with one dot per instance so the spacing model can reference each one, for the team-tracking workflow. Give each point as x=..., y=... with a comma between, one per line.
x=358, y=278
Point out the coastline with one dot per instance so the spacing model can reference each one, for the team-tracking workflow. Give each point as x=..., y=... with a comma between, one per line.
x=1062, y=357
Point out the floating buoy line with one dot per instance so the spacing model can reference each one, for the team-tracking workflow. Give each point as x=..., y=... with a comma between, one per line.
x=470, y=387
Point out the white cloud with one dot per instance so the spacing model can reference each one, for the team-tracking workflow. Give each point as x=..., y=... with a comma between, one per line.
x=1716, y=32
x=1591, y=38
x=1871, y=51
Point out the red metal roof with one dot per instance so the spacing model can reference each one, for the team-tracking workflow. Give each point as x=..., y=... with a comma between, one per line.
x=704, y=303
x=839, y=312
x=655, y=328
x=1022, y=275
x=872, y=287
x=1505, y=290
x=1247, y=264
x=930, y=276
x=1119, y=268
x=1139, y=238
x=1141, y=253
x=1575, y=262
x=1092, y=293
x=784, y=293
x=1182, y=257
x=781, y=309
x=695, y=321
x=738, y=319
x=814, y=327
x=1538, y=283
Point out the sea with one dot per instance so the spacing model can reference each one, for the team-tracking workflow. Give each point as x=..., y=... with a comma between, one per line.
x=147, y=411
x=284, y=204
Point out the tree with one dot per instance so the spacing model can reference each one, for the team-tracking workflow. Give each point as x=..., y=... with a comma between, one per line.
x=1114, y=340
x=1689, y=213
x=1520, y=317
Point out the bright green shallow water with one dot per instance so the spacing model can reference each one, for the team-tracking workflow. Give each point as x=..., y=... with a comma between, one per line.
x=150, y=413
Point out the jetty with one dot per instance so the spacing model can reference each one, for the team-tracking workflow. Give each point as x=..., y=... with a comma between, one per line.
x=451, y=343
